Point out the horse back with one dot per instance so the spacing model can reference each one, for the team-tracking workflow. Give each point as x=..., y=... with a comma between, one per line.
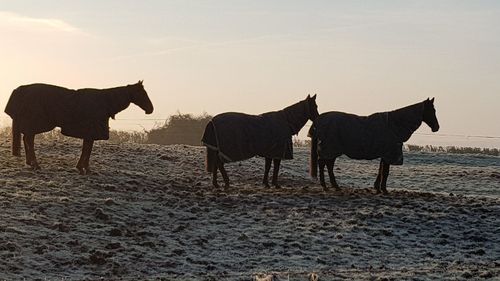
x=359, y=137
x=35, y=107
x=345, y=125
x=240, y=136
x=40, y=108
x=232, y=134
x=26, y=97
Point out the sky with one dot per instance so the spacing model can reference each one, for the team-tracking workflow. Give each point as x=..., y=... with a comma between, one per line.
x=257, y=56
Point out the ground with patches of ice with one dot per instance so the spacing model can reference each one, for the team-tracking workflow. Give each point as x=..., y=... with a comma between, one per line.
x=149, y=211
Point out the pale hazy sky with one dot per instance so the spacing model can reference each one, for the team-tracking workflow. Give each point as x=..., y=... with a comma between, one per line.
x=257, y=56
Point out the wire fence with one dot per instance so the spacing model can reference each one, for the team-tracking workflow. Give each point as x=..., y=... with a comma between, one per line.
x=138, y=122
x=308, y=126
x=188, y=129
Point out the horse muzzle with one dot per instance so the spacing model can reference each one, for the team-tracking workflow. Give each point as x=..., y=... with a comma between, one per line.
x=149, y=110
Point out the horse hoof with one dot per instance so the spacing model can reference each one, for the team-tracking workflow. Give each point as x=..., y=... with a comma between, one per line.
x=266, y=185
x=33, y=165
x=313, y=277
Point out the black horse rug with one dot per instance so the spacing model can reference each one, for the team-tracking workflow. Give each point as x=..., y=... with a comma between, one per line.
x=82, y=113
x=240, y=136
x=380, y=135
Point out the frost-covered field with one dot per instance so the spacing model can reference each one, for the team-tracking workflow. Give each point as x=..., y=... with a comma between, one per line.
x=149, y=212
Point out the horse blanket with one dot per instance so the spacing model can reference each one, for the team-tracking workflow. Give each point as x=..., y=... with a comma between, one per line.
x=358, y=137
x=82, y=113
x=239, y=136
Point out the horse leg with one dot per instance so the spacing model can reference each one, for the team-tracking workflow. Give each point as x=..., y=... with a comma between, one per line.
x=81, y=162
x=267, y=167
x=331, y=175
x=385, y=174
x=212, y=159
x=34, y=162
x=376, y=185
x=322, y=163
x=214, y=172
x=27, y=150
x=276, y=169
x=88, y=144
x=224, y=174
x=30, y=141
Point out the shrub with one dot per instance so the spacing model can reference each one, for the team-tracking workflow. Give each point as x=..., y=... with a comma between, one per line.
x=180, y=129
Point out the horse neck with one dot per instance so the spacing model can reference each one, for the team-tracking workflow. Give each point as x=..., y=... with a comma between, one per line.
x=404, y=121
x=118, y=99
x=296, y=116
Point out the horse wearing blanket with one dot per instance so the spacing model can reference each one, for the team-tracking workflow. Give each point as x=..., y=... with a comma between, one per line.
x=233, y=136
x=380, y=135
x=82, y=113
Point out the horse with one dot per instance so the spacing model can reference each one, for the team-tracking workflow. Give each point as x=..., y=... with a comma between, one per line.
x=233, y=136
x=82, y=113
x=380, y=135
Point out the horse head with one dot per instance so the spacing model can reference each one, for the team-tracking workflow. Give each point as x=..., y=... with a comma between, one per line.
x=429, y=115
x=313, y=107
x=140, y=97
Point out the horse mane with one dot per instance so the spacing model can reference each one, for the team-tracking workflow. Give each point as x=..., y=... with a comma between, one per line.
x=117, y=99
x=297, y=115
x=404, y=121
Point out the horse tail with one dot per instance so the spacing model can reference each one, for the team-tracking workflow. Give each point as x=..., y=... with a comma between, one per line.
x=210, y=141
x=16, y=138
x=313, y=162
x=314, y=158
x=211, y=159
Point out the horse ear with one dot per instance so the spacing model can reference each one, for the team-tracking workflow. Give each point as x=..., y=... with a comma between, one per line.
x=140, y=82
x=308, y=96
x=314, y=97
x=432, y=100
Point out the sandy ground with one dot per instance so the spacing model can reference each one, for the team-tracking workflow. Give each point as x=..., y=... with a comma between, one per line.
x=149, y=212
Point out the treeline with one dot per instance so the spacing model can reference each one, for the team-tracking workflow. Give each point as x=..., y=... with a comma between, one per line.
x=55, y=135
x=428, y=148
x=177, y=129
x=453, y=149
x=188, y=129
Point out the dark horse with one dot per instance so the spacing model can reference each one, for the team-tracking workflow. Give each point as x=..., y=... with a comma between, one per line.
x=380, y=135
x=82, y=113
x=232, y=136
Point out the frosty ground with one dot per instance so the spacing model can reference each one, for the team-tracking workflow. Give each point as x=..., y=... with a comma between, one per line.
x=149, y=212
